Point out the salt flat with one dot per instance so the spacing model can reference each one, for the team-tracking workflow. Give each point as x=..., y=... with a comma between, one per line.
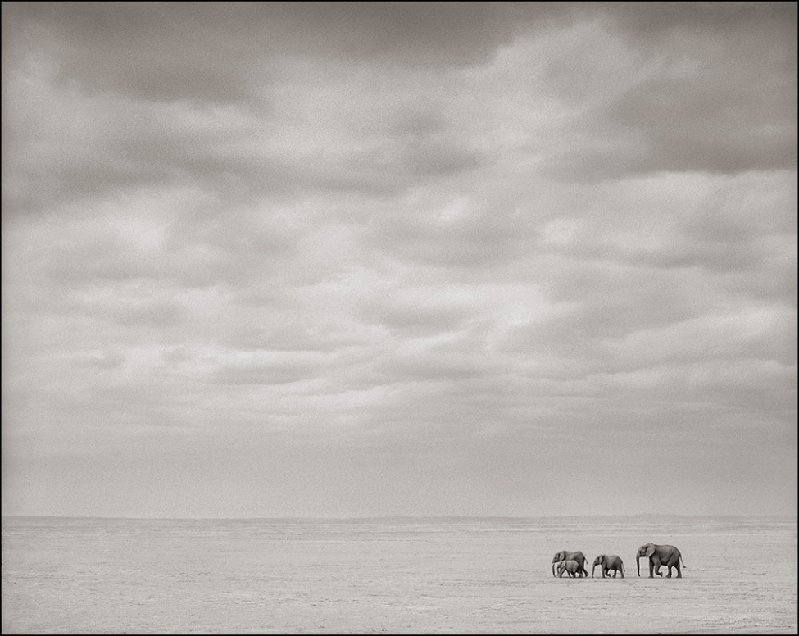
x=411, y=575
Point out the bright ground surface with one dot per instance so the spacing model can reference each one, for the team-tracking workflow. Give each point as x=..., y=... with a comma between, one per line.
x=423, y=575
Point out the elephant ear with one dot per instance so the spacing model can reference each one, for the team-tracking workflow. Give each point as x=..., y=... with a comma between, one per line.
x=650, y=550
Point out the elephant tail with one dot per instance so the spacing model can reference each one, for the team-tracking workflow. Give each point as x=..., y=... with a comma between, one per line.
x=683, y=562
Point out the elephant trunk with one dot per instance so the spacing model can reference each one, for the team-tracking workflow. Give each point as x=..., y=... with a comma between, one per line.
x=638, y=563
x=553, y=568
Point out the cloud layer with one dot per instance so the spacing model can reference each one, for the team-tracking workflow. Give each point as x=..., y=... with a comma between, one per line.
x=349, y=259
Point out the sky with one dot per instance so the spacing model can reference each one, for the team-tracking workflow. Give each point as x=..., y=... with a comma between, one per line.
x=374, y=259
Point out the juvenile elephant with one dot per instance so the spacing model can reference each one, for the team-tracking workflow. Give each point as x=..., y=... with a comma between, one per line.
x=572, y=568
x=659, y=555
x=608, y=562
x=563, y=555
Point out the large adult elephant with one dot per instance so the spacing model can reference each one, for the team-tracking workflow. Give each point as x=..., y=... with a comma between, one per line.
x=563, y=555
x=608, y=562
x=659, y=555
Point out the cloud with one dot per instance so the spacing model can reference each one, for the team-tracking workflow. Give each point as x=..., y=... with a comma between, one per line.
x=282, y=370
x=209, y=53
x=73, y=144
x=690, y=109
x=158, y=53
x=753, y=333
x=101, y=359
x=230, y=108
x=395, y=246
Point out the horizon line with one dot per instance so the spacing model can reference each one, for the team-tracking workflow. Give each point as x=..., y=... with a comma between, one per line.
x=406, y=517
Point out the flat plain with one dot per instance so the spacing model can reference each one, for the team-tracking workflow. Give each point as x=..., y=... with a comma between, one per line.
x=395, y=575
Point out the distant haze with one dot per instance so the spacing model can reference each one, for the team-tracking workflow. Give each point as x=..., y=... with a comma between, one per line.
x=362, y=259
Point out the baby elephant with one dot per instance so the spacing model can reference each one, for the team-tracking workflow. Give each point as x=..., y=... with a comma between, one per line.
x=570, y=567
x=608, y=562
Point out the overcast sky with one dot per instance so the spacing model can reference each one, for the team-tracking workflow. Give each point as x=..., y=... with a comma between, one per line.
x=344, y=260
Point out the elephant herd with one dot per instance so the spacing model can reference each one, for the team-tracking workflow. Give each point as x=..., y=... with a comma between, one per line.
x=573, y=563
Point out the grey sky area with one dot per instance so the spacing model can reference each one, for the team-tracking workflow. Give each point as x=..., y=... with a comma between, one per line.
x=340, y=260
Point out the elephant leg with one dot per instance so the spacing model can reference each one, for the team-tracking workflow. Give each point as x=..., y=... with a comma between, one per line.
x=679, y=573
x=668, y=567
x=654, y=566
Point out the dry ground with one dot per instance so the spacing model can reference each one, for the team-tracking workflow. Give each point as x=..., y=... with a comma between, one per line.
x=392, y=575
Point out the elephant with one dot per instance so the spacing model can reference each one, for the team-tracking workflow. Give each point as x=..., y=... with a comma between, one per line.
x=570, y=567
x=563, y=555
x=608, y=562
x=659, y=555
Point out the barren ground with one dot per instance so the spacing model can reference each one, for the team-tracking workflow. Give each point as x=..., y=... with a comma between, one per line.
x=392, y=575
